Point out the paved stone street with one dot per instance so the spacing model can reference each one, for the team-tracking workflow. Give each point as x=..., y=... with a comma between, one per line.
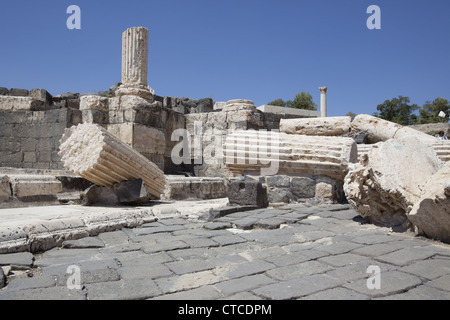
x=289, y=252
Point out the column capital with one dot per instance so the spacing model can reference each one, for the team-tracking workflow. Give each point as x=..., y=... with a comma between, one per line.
x=323, y=89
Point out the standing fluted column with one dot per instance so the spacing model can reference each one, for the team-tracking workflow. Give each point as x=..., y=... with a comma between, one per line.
x=135, y=63
x=323, y=101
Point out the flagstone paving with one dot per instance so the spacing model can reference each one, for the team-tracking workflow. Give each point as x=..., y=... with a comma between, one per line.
x=289, y=252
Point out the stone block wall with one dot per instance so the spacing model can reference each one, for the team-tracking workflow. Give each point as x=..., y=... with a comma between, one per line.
x=30, y=139
x=145, y=126
x=209, y=131
x=287, y=189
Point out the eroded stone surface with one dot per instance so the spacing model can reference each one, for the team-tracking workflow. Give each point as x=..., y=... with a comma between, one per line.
x=96, y=155
x=431, y=213
x=332, y=126
x=389, y=180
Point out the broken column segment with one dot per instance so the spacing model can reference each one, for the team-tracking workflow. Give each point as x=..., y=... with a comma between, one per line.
x=270, y=153
x=378, y=130
x=430, y=215
x=98, y=156
x=389, y=179
x=135, y=63
x=333, y=126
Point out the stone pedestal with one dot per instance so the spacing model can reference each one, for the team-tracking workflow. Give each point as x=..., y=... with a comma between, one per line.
x=135, y=63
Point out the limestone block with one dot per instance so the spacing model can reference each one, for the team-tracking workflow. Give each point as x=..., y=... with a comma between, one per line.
x=219, y=105
x=388, y=181
x=442, y=149
x=8, y=103
x=431, y=213
x=141, y=138
x=5, y=189
x=252, y=152
x=325, y=191
x=41, y=95
x=332, y=126
x=94, y=103
x=378, y=129
x=34, y=185
x=239, y=104
x=130, y=102
x=148, y=140
x=98, y=156
x=248, y=119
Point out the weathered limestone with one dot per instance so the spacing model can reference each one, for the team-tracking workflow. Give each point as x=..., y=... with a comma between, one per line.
x=442, y=149
x=333, y=126
x=17, y=103
x=5, y=188
x=32, y=186
x=323, y=101
x=135, y=63
x=239, y=104
x=431, y=213
x=389, y=180
x=297, y=113
x=253, y=152
x=378, y=130
x=96, y=155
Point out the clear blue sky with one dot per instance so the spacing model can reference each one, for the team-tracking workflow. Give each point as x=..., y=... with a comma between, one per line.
x=236, y=49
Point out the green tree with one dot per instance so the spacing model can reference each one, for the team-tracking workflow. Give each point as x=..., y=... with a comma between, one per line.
x=398, y=110
x=351, y=114
x=278, y=102
x=429, y=113
x=302, y=100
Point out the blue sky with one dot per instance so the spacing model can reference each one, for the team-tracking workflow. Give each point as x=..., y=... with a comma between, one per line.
x=244, y=49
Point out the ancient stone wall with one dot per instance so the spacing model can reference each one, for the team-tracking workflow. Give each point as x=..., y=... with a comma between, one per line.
x=31, y=126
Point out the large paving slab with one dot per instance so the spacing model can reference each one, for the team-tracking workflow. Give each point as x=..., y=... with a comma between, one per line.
x=322, y=252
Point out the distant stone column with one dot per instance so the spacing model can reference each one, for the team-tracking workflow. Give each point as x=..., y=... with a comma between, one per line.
x=323, y=101
x=135, y=63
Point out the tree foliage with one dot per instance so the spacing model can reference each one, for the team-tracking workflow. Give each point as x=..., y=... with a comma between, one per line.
x=429, y=113
x=401, y=111
x=302, y=100
x=398, y=110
